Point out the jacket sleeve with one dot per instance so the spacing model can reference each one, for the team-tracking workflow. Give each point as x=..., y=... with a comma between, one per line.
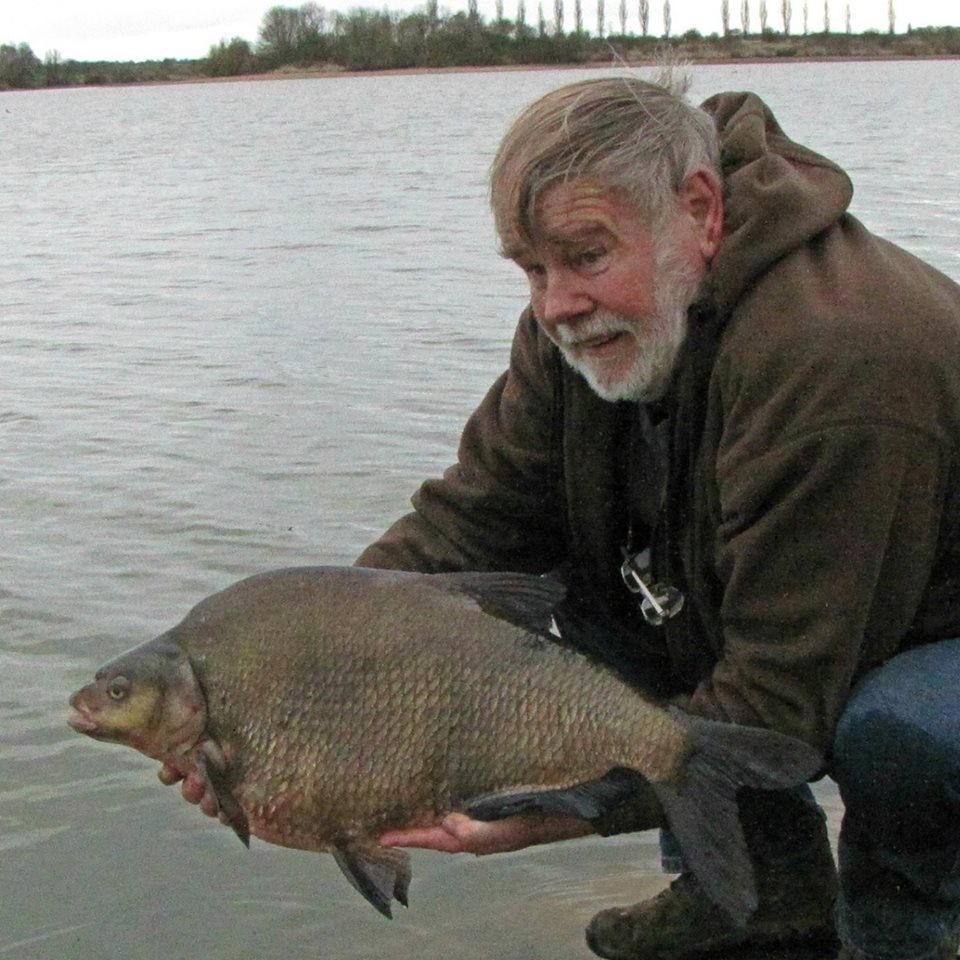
x=496, y=508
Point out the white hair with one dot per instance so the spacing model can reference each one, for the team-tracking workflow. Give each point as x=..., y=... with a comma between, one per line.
x=639, y=138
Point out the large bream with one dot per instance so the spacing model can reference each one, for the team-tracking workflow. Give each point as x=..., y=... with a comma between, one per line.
x=327, y=705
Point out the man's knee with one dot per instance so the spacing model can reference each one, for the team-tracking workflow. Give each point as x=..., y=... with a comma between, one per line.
x=890, y=756
x=873, y=749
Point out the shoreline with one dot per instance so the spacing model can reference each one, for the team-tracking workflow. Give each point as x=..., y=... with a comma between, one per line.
x=334, y=72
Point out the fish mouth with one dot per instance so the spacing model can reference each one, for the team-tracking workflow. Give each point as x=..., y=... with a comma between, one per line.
x=80, y=720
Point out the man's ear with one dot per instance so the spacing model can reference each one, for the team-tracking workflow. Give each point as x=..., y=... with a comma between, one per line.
x=701, y=199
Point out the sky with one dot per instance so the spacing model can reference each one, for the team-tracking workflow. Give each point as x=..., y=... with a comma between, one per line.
x=186, y=29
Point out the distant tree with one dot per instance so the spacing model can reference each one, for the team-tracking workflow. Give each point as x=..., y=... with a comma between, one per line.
x=473, y=11
x=806, y=17
x=847, y=19
x=644, y=17
x=231, y=59
x=412, y=41
x=558, y=17
x=763, y=16
x=786, y=12
x=521, y=21
x=541, y=20
x=578, y=16
x=365, y=39
x=460, y=40
x=891, y=17
x=19, y=67
x=312, y=20
x=667, y=19
x=623, y=18
x=601, y=19
x=498, y=7
x=279, y=31
x=745, y=16
x=53, y=68
x=826, y=16
x=312, y=42
x=725, y=16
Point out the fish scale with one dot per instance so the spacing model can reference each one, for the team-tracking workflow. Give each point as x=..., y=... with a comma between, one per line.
x=329, y=704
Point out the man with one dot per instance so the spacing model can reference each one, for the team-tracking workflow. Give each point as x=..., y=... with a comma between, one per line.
x=723, y=374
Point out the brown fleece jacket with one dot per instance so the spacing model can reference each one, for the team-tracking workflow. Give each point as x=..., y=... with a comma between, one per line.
x=810, y=444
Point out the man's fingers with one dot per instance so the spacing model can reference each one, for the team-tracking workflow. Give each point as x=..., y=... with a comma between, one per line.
x=427, y=838
x=209, y=805
x=169, y=775
x=459, y=833
x=194, y=790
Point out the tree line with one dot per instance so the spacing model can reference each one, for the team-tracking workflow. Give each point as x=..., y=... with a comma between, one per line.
x=310, y=37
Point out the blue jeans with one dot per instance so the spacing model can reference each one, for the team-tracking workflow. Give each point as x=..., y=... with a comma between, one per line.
x=897, y=764
x=896, y=761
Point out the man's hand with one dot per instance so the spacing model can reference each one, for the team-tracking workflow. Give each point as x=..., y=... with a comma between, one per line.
x=459, y=833
x=193, y=788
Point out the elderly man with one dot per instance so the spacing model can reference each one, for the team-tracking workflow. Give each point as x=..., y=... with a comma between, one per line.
x=731, y=421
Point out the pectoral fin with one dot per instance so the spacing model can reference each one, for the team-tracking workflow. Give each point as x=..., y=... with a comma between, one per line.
x=381, y=874
x=524, y=600
x=212, y=768
x=587, y=800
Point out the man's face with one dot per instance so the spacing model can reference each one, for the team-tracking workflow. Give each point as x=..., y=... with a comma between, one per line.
x=610, y=294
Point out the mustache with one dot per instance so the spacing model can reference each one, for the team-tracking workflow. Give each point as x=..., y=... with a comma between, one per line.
x=600, y=324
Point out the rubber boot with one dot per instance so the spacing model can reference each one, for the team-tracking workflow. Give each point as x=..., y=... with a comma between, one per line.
x=796, y=884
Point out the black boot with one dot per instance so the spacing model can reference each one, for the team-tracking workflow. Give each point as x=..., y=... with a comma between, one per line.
x=796, y=884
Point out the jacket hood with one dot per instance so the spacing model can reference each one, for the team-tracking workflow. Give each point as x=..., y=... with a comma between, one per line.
x=777, y=194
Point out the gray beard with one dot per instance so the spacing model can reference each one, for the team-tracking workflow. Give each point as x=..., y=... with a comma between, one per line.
x=649, y=376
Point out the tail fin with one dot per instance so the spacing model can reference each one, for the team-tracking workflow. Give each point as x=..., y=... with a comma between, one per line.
x=701, y=806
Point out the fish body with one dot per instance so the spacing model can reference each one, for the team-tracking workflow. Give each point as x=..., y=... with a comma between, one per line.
x=326, y=705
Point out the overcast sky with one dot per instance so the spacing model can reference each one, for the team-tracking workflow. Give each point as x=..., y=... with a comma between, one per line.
x=154, y=29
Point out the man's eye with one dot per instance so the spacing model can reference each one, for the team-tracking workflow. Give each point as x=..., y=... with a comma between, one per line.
x=590, y=259
x=535, y=272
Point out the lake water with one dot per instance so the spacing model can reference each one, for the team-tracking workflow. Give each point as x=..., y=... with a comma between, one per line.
x=240, y=322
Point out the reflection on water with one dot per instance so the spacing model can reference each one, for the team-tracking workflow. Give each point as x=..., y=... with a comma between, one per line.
x=241, y=322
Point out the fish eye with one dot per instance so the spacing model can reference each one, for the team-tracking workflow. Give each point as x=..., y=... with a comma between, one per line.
x=118, y=688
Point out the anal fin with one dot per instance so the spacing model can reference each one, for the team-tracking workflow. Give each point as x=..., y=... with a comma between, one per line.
x=380, y=874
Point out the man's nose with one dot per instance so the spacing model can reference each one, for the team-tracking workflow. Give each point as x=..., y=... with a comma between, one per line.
x=562, y=299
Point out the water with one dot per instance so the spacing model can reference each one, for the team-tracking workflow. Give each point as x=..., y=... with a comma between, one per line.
x=240, y=322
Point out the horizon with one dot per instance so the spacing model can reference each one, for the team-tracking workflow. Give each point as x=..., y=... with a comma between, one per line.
x=107, y=30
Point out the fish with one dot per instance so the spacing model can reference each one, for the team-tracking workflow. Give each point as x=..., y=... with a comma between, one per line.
x=324, y=706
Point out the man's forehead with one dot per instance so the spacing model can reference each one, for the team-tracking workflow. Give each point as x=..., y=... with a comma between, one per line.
x=569, y=212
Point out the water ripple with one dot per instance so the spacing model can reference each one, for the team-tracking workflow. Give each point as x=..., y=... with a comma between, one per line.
x=241, y=323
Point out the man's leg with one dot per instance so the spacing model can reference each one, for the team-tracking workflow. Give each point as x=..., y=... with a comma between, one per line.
x=796, y=882
x=897, y=763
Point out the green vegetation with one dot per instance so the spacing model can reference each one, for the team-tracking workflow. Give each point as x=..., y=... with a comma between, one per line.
x=309, y=38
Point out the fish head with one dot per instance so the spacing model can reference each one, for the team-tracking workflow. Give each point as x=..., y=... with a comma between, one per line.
x=147, y=698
